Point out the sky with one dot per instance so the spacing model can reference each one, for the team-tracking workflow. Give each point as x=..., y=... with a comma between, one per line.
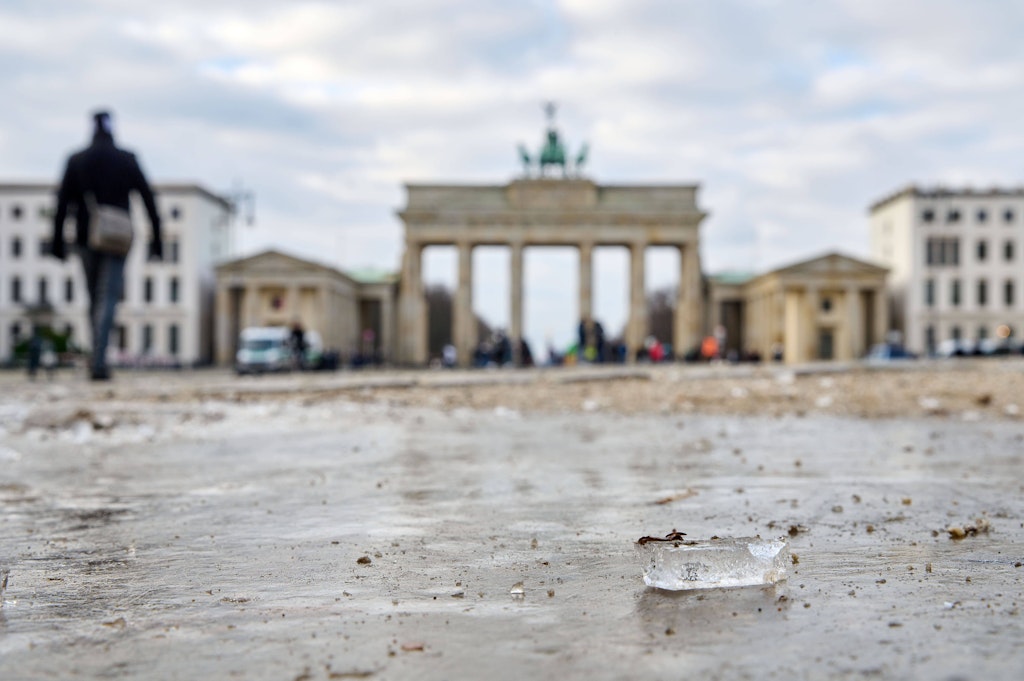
x=792, y=116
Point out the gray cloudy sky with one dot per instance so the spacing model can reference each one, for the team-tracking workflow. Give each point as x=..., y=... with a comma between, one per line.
x=793, y=116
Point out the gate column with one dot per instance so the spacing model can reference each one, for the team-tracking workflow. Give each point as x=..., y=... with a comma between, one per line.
x=637, y=326
x=586, y=292
x=463, y=322
x=412, y=319
x=686, y=331
x=516, y=306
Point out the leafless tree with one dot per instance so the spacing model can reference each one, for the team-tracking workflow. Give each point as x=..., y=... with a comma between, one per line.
x=660, y=311
x=439, y=316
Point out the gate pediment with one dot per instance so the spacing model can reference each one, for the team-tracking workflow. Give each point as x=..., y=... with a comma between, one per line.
x=274, y=263
x=833, y=264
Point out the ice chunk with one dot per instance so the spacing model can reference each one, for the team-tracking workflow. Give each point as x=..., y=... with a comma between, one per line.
x=4, y=575
x=676, y=564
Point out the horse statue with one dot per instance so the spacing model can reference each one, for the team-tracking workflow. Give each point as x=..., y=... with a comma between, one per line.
x=553, y=153
x=581, y=158
x=524, y=156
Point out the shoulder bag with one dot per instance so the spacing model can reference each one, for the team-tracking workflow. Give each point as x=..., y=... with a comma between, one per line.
x=110, y=227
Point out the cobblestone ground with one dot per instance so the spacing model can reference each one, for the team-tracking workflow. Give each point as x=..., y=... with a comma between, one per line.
x=971, y=389
x=376, y=525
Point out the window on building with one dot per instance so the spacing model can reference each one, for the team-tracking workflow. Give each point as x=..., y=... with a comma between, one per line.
x=982, y=215
x=45, y=247
x=172, y=340
x=43, y=290
x=927, y=215
x=15, y=333
x=147, y=290
x=826, y=304
x=929, y=339
x=17, y=211
x=175, y=213
x=982, y=293
x=929, y=292
x=1008, y=251
x=982, y=333
x=953, y=215
x=69, y=290
x=15, y=289
x=174, y=251
x=147, y=338
x=69, y=330
x=955, y=333
x=954, y=293
x=982, y=250
x=173, y=293
x=942, y=251
x=121, y=333
x=16, y=247
x=1008, y=215
x=1008, y=293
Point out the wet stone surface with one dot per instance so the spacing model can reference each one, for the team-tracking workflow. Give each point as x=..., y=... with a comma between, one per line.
x=290, y=538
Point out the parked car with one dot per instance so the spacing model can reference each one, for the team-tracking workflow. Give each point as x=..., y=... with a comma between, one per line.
x=998, y=346
x=263, y=349
x=886, y=352
x=953, y=347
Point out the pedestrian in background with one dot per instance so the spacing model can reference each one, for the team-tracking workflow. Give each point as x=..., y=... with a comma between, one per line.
x=297, y=339
x=101, y=175
x=35, y=352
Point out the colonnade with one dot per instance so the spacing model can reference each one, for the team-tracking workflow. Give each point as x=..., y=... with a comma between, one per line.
x=846, y=321
x=413, y=310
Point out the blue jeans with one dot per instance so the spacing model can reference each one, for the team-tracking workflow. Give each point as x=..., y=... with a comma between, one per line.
x=104, y=279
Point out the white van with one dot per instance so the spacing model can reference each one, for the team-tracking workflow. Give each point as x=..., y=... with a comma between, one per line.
x=264, y=348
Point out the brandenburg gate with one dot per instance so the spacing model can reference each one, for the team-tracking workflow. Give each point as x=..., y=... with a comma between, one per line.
x=539, y=210
x=547, y=212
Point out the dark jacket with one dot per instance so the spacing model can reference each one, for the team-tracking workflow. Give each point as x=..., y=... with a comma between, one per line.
x=111, y=174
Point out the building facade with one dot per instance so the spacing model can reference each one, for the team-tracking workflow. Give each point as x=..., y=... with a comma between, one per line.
x=353, y=314
x=956, y=263
x=166, y=314
x=832, y=307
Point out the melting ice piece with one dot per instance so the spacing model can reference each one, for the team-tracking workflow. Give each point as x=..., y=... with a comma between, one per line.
x=678, y=564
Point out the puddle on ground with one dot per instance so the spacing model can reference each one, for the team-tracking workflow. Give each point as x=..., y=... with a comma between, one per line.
x=235, y=548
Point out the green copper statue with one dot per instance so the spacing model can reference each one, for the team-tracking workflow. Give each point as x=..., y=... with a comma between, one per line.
x=552, y=153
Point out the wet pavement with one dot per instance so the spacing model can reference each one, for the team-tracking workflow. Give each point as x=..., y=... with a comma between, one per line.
x=294, y=538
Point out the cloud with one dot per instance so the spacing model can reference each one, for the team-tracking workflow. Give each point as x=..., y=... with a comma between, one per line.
x=793, y=117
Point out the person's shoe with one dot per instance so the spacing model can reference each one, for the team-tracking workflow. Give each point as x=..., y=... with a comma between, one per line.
x=100, y=374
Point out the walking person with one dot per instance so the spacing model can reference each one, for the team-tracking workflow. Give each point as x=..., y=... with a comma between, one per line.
x=35, y=353
x=297, y=340
x=101, y=175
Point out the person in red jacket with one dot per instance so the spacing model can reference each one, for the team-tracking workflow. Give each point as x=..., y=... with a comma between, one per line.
x=110, y=174
x=709, y=348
